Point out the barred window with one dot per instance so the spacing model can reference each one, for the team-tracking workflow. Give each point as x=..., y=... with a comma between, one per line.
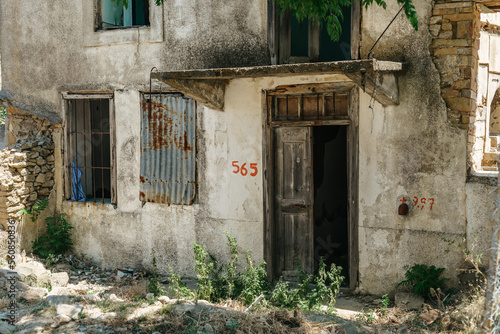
x=89, y=149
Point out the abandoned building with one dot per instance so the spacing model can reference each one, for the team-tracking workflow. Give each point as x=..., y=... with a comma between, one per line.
x=153, y=127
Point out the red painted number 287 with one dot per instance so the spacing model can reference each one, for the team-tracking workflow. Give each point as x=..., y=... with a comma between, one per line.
x=243, y=169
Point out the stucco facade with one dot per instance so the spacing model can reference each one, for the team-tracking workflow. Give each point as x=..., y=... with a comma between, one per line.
x=408, y=151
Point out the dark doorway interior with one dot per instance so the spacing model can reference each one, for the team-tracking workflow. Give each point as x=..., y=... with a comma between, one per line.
x=330, y=197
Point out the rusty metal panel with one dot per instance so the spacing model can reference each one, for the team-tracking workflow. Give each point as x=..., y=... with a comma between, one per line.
x=168, y=149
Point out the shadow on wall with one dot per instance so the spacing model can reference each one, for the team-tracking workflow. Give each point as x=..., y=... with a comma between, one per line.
x=2, y=136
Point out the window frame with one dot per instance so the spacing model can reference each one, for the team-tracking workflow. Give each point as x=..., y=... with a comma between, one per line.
x=64, y=98
x=98, y=23
x=279, y=36
x=123, y=35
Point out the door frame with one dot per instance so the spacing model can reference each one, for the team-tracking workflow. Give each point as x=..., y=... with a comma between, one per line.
x=352, y=124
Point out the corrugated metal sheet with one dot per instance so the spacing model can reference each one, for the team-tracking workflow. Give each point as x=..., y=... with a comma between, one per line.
x=168, y=149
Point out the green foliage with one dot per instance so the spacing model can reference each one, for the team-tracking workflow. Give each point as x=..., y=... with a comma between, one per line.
x=368, y=316
x=57, y=240
x=313, y=290
x=422, y=278
x=155, y=287
x=36, y=209
x=385, y=301
x=327, y=12
x=468, y=254
x=254, y=280
x=178, y=287
x=203, y=268
x=232, y=265
x=330, y=12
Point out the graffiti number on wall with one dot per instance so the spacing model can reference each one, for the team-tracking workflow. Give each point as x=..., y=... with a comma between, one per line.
x=420, y=203
x=243, y=168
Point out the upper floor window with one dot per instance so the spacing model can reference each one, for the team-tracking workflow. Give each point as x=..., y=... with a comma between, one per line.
x=306, y=41
x=114, y=15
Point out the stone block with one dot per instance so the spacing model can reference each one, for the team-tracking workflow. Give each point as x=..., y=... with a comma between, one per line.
x=446, y=51
x=50, y=158
x=437, y=43
x=40, y=161
x=40, y=178
x=435, y=20
x=32, y=295
x=461, y=103
x=59, y=279
x=71, y=311
x=447, y=26
x=34, y=273
x=464, y=29
x=446, y=34
x=44, y=192
x=29, y=178
x=459, y=17
x=49, y=184
x=468, y=93
x=443, y=11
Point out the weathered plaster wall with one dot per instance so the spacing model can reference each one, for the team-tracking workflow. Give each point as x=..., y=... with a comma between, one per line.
x=408, y=150
x=127, y=235
x=50, y=48
x=47, y=47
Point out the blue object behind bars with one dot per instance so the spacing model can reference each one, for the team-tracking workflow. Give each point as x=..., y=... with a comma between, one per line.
x=77, y=193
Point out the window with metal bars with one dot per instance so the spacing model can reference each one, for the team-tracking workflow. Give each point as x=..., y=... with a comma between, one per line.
x=89, y=149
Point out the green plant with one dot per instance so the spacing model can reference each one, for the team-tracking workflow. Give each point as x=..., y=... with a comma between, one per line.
x=468, y=254
x=313, y=290
x=253, y=281
x=178, y=287
x=385, y=301
x=35, y=211
x=231, y=266
x=155, y=286
x=203, y=267
x=368, y=316
x=422, y=278
x=57, y=239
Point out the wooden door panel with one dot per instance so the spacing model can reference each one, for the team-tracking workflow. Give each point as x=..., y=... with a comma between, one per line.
x=293, y=200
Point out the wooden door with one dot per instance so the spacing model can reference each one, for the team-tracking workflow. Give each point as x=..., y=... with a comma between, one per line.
x=293, y=197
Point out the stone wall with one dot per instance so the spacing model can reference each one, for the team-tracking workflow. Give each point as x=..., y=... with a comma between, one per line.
x=26, y=175
x=454, y=27
x=21, y=125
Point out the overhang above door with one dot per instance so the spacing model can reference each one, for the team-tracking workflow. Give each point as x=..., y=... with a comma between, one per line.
x=207, y=86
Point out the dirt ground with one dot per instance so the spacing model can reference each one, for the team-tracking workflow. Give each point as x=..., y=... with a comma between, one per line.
x=83, y=298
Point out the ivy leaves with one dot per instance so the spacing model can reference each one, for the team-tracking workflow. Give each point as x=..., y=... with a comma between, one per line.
x=329, y=12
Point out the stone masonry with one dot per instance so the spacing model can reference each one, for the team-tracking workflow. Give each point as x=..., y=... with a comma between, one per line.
x=26, y=174
x=454, y=27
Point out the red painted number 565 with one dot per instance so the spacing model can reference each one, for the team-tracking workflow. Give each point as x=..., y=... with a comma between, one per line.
x=243, y=170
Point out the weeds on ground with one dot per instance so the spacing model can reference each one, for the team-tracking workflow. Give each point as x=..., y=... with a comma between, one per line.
x=422, y=278
x=217, y=282
x=57, y=239
x=155, y=286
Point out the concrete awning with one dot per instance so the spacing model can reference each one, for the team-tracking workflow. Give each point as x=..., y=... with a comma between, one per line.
x=208, y=86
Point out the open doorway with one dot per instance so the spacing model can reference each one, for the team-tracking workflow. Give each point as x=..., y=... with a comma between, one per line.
x=310, y=198
x=330, y=212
